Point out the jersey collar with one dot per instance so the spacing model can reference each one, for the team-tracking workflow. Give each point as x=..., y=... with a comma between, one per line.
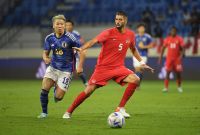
x=59, y=37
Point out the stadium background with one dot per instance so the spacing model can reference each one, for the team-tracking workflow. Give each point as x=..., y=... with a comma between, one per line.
x=23, y=27
x=25, y=23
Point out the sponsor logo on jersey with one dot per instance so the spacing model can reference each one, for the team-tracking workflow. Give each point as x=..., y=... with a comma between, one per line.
x=52, y=45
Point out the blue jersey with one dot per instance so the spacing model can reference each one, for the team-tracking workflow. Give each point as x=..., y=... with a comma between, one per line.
x=146, y=39
x=76, y=35
x=63, y=55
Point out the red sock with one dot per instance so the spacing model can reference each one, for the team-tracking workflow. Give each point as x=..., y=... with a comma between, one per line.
x=127, y=94
x=178, y=81
x=79, y=99
x=166, y=83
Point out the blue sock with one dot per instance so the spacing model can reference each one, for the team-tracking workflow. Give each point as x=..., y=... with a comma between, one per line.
x=83, y=77
x=140, y=75
x=44, y=100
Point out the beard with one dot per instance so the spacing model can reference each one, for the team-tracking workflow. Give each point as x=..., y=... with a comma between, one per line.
x=119, y=26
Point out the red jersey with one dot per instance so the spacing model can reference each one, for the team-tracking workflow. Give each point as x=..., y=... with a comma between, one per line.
x=114, y=47
x=173, y=45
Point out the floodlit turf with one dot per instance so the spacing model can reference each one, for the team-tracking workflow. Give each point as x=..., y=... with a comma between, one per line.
x=153, y=112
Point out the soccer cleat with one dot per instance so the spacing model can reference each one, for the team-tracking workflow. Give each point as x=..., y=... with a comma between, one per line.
x=180, y=89
x=123, y=112
x=67, y=115
x=42, y=116
x=165, y=90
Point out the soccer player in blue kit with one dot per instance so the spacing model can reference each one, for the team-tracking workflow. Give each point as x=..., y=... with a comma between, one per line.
x=70, y=28
x=59, y=72
x=143, y=42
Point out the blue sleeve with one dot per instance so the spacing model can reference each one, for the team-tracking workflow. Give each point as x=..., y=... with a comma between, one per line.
x=149, y=40
x=47, y=45
x=76, y=43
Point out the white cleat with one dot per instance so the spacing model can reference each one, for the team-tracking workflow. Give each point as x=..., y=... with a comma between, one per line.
x=180, y=90
x=123, y=112
x=165, y=90
x=66, y=115
x=42, y=116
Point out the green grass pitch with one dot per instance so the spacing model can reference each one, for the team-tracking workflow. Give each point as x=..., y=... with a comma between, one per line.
x=153, y=112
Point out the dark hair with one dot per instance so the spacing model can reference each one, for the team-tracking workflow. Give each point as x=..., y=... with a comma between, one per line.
x=174, y=27
x=70, y=21
x=141, y=25
x=122, y=13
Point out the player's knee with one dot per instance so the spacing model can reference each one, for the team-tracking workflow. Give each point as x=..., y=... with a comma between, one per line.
x=135, y=79
x=89, y=90
x=58, y=97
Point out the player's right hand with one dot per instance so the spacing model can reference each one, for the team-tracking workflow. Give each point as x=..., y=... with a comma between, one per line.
x=47, y=60
x=77, y=49
x=146, y=67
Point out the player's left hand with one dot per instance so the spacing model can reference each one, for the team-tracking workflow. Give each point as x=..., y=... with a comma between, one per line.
x=79, y=70
x=146, y=67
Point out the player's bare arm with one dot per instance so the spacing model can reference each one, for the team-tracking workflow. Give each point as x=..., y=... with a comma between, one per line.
x=46, y=57
x=142, y=46
x=182, y=50
x=87, y=45
x=161, y=54
x=81, y=61
x=138, y=57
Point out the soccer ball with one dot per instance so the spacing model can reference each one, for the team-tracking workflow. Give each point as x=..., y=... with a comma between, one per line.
x=116, y=120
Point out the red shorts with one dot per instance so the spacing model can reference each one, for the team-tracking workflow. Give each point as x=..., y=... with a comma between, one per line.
x=102, y=75
x=174, y=64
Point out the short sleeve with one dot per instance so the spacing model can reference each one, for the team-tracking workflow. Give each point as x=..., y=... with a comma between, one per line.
x=47, y=44
x=149, y=39
x=103, y=36
x=76, y=43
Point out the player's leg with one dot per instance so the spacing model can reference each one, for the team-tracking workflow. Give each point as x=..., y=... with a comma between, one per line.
x=79, y=99
x=59, y=94
x=166, y=81
x=49, y=80
x=64, y=80
x=47, y=83
x=83, y=78
x=169, y=65
x=179, y=69
x=133, y=81
x=179, y=81
x=81, y=75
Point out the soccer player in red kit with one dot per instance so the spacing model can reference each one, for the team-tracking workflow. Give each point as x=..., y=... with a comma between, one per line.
x=110, y=65
x=175, y=52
